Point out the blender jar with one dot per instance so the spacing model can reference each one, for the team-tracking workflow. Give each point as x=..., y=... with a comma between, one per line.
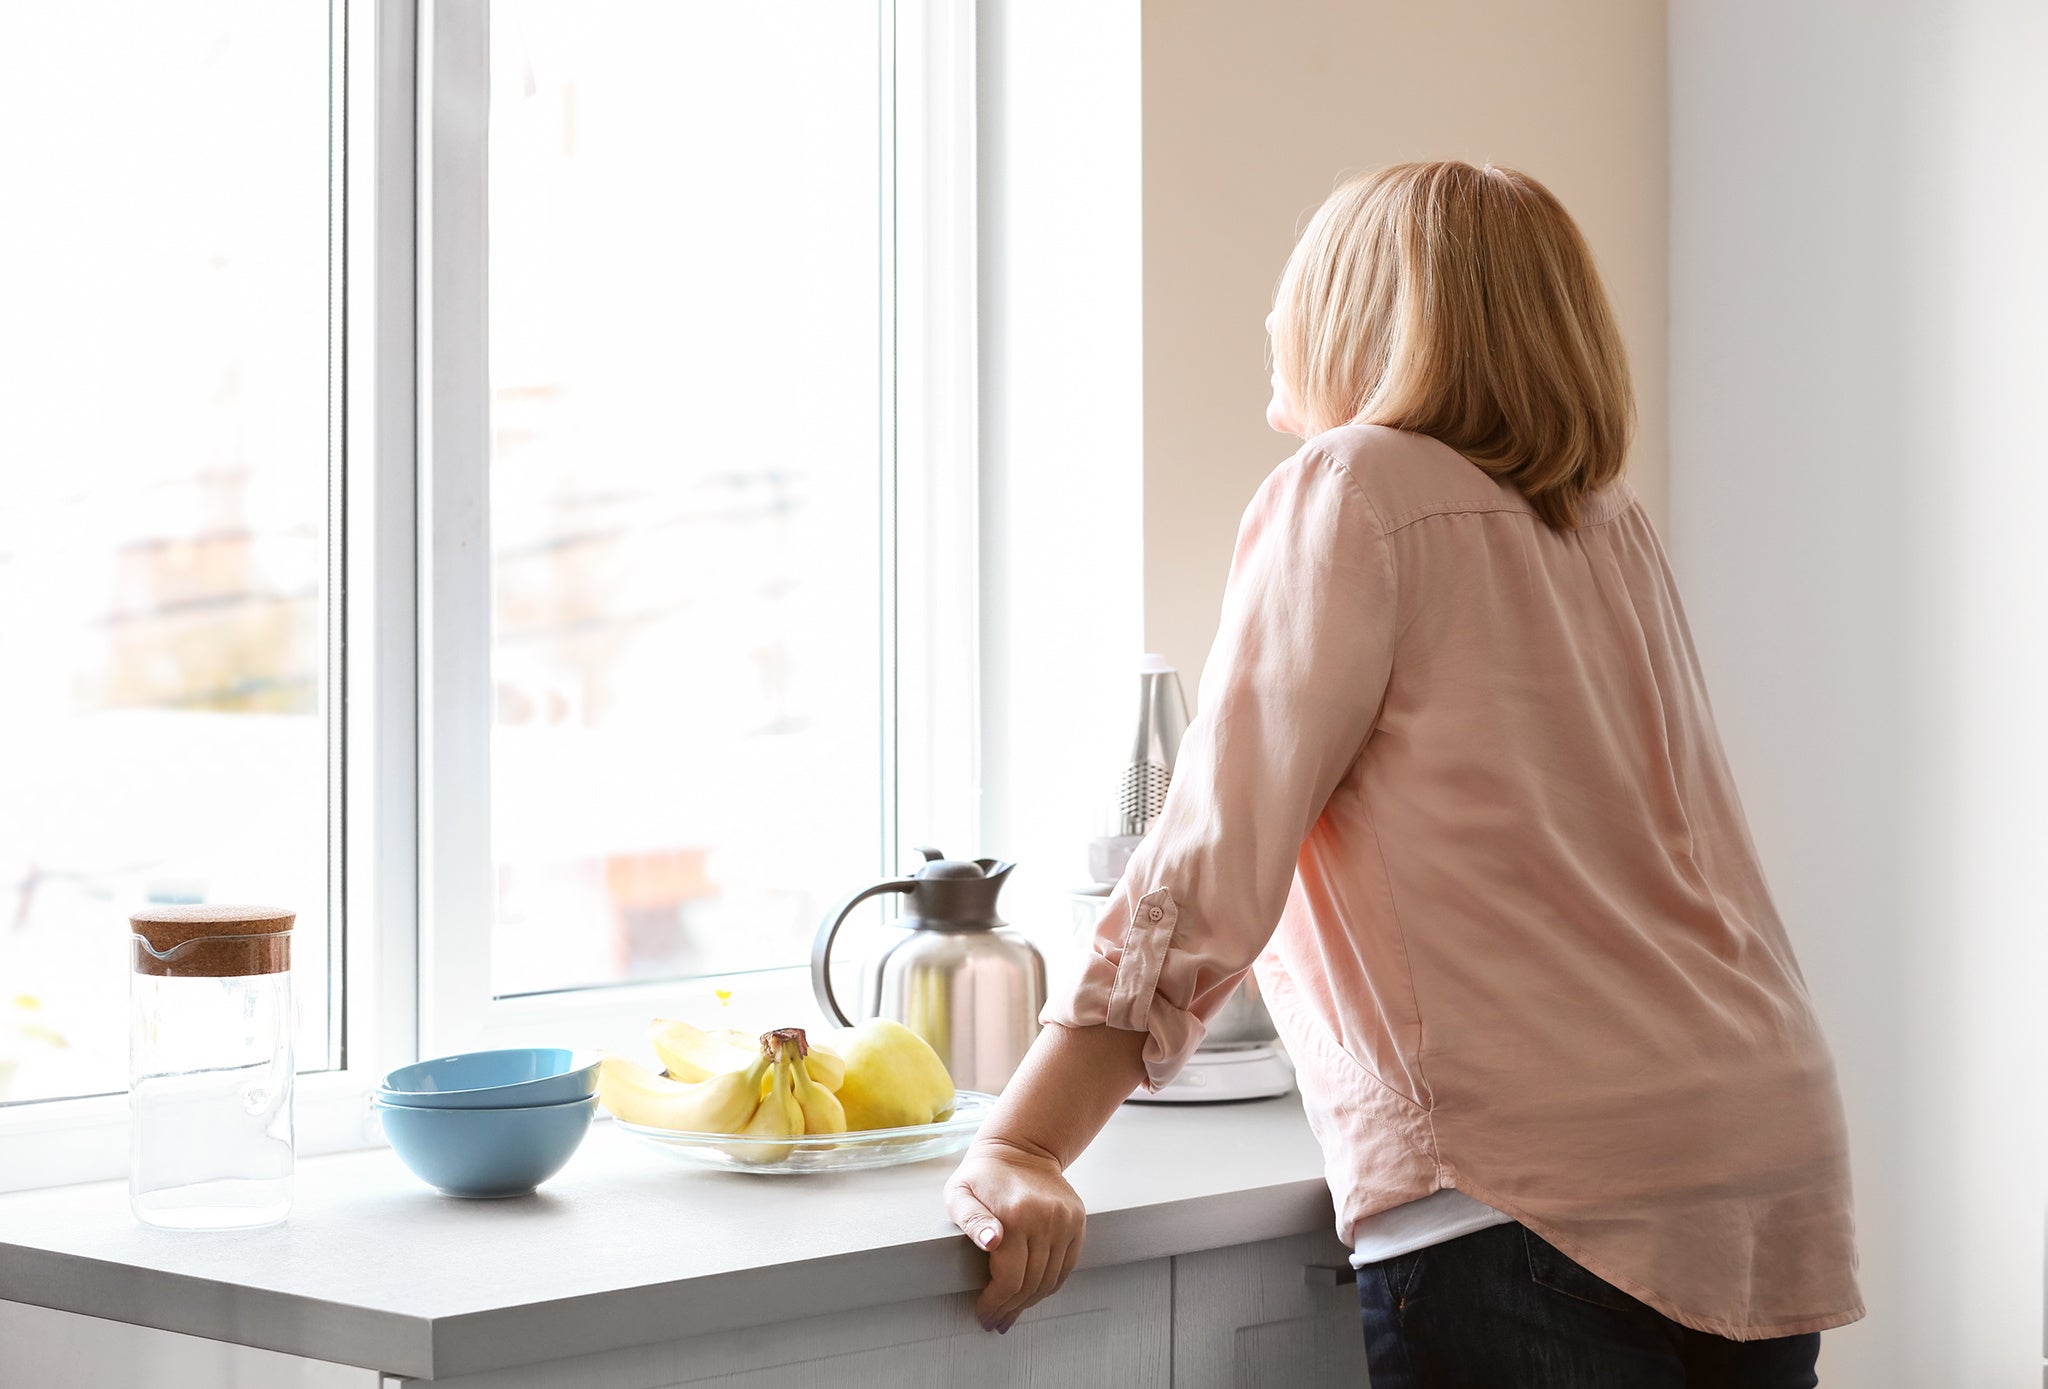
x=210, y=1067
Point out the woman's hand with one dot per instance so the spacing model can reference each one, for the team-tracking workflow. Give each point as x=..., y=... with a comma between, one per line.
x=1008, y=1194
x=1014, y=1203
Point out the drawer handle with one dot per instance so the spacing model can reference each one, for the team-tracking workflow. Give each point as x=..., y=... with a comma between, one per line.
x=1329, y=1275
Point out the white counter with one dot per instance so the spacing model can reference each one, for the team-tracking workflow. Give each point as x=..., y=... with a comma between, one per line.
x=626, y=1247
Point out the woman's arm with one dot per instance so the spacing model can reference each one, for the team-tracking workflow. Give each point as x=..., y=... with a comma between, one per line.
x=1009, y=1194
x=1303, y=655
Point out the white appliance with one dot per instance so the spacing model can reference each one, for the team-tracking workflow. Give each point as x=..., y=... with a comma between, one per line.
x=1240, y=1057
x=1216, y=1074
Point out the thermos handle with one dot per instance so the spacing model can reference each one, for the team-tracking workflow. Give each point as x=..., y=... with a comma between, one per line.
x=821, y=948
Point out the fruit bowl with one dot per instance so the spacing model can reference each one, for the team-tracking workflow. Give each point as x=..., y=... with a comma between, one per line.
x=824, y=1152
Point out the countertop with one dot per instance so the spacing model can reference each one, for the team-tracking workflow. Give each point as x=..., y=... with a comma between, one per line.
x=626, y=1246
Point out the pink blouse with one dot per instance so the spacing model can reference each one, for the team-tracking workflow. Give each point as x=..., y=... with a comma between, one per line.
x=1455, y=788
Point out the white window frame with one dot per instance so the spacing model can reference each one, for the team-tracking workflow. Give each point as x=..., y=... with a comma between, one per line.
x=413, y=644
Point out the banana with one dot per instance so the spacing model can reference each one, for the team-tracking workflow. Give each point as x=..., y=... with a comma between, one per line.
x=822, y=1113
x=778, y=1116
x=827, y=1067
x=696, y=1053
x=776, y=1087
x=723, y=1104
x=691, y=1053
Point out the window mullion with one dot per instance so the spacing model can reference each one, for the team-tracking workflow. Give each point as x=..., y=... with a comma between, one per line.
x=454, y=607
x=380, y=380
x=934, y=451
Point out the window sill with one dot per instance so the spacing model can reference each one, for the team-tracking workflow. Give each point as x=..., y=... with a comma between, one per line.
x=67, y=1142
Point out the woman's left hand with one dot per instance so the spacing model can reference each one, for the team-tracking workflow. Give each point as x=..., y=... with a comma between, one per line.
x=1017, y=1205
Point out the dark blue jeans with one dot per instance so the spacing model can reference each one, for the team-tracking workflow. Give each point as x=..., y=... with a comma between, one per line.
x=1503, y=1309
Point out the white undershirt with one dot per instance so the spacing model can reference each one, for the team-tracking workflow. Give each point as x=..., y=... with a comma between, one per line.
x=1440, y=1216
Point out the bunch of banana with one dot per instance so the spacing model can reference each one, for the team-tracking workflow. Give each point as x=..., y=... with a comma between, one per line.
x=776, y=1089
x=696, y=1053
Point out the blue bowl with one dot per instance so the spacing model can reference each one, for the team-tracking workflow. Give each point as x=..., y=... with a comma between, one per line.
x=494, y=1079
x=487, y=1152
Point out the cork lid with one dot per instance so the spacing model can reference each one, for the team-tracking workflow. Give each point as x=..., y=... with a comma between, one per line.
x=212, y=940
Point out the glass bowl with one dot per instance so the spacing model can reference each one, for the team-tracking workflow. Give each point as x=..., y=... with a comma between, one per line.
x=823, y=1152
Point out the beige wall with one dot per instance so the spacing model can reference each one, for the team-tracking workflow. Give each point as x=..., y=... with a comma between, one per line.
x=1253, y=110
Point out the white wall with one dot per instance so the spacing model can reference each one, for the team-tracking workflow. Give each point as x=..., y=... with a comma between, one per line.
x=1254, y=111
x=1858, y=475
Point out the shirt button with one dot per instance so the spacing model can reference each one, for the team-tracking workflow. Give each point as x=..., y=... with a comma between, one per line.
x=1155, y=914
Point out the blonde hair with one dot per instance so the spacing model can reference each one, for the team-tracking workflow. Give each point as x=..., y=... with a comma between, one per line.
x=1462, y=303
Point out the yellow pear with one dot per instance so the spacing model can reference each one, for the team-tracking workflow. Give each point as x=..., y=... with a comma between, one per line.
x=893, y=1077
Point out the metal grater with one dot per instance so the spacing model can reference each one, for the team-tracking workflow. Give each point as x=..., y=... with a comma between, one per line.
x=1143, y=796
x=1162, y=721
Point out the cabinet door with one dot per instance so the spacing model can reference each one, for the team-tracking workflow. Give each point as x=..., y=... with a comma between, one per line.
x=1108, y=1326
x=1278, y=1315
x=41, y=1348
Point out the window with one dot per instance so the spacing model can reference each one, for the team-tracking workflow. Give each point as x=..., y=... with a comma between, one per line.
x=685, y=483
x=165, y=607
x=512, y=502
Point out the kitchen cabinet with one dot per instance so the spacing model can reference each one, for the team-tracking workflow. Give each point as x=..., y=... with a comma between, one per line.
x=1108, y=1326
x=45, y=1349
x=1272, y=1315
x=1279, y=1314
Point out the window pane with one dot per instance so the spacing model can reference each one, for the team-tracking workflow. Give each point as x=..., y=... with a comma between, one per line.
x=163, y=502
x=685, y=483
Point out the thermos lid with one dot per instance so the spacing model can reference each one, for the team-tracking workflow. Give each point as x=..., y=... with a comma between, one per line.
x=937, y=865
x=953, y=894
x=212, y=940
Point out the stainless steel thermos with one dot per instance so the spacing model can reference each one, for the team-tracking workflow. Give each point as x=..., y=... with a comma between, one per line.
x=949, y=969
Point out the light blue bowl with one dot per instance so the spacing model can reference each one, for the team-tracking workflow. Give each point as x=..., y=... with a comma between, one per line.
x=487, y=1152
x=494, y=1079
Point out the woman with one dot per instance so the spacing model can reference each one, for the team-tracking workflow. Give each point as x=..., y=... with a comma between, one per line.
x=1454, y=788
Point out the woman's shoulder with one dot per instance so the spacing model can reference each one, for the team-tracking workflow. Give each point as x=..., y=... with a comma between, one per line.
x=1406, y=476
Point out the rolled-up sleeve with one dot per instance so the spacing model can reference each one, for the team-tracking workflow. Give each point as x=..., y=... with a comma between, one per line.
x=1288, y=698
